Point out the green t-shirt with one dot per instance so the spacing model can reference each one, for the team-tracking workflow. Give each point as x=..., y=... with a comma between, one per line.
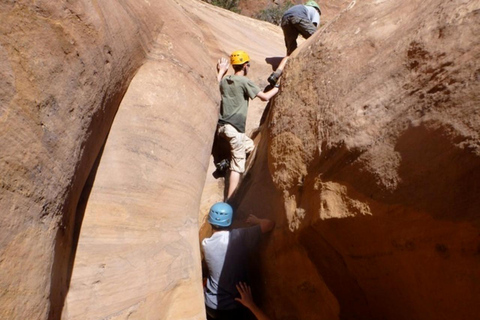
x=236, y=92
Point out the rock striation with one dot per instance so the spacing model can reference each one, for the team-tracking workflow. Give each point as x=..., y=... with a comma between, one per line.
x=64, y=71
x=107, y=228
x=368, y=160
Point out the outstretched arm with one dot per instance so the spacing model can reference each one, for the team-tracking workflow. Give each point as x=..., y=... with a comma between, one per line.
x=266, y=225
x=222, y=68
x=265, y=96
x=247, y=300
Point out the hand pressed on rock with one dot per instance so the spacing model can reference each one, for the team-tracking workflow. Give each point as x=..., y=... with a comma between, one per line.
x=245, y=295
x=266, y=225
x=247, y=300
x=252, y=219
x=223, y=64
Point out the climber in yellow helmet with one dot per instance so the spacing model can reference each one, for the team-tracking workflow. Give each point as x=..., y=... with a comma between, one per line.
x=236, y=91
x=299, y=19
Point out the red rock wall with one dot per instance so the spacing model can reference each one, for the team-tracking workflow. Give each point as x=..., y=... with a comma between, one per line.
x=370, y=162
x=64, y=70
x=137, y=254
x=132, y=209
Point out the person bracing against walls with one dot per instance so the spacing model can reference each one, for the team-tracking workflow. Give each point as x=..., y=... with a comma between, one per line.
x=299, y=19
x=226, y=255
x=246, y=299
x=236, y=91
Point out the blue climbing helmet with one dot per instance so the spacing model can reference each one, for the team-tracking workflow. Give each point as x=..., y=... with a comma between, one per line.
x=220, y=214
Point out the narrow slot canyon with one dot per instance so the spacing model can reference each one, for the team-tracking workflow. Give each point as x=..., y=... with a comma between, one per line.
x=368, y=160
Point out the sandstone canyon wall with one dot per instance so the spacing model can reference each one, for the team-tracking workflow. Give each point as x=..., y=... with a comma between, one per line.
x=368, y=161
x=64, y=70
x=94, y=230
x=370, y=164
x=138, y=255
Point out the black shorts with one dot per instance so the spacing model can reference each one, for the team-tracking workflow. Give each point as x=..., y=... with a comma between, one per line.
x=234, y=314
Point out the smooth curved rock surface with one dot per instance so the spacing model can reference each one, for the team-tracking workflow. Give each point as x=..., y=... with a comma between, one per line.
x=64, y=70
x=132, y=209
x=368, y=162
x=138, y=255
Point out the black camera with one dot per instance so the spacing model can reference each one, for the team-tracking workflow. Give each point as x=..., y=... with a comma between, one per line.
x=223, y=165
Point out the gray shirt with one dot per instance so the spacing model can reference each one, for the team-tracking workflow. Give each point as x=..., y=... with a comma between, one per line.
x=226, y=254
x=303, y=12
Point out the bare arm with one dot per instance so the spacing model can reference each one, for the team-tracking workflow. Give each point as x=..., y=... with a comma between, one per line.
x=222, y=68
x=247, y=300
x=265, y=96
x=266, y=225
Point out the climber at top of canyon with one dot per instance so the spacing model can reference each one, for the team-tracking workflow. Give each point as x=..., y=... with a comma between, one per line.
x=299, y=19
x=236, y=90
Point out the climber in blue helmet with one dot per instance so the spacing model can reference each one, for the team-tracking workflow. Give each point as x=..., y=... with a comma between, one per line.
x=226, y=255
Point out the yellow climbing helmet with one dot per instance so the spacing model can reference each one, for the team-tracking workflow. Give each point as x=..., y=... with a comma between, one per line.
x=239, y=57
x=312, y=3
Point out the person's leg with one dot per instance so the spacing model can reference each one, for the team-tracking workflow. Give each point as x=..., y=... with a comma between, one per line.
x=237, y=163
x=290, y=34
x=211, y=313
x=233, y=181
x=236, y=314
x=305, y=28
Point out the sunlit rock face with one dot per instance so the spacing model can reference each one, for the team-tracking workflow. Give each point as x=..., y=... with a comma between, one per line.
x=368, y=160
x=64, y=69
x=138, y=252
x=107, y=228
x=370, y=164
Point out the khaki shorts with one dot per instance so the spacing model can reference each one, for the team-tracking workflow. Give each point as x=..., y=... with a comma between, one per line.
x=240, y=145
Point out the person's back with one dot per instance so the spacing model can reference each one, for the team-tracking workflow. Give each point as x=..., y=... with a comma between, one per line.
x=300, y=19
x=236, y=91
x=303, y=11
x=226, y=255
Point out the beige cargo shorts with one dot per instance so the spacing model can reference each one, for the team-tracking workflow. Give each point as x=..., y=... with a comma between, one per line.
x=240, y=145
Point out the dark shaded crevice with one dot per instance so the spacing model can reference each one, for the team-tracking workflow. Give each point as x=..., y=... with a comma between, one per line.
x=80, y=213
x=334, y=271
x=69, y=226
x=66, y=247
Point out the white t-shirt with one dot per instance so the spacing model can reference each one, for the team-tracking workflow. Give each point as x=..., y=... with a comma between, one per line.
x=313, y=15
x=226, y=254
